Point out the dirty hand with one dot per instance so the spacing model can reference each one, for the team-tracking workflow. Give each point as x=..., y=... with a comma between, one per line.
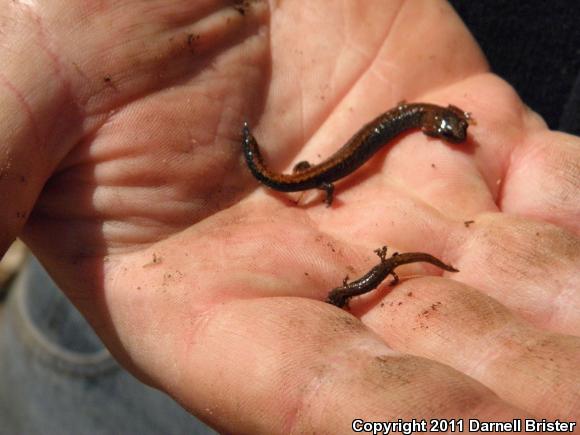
x=121, y=168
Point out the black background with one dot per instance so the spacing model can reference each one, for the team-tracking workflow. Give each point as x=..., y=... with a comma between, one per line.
x=535, y=46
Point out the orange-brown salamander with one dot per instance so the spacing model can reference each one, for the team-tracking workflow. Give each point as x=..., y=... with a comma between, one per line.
x=371, y=280
x=448, y=123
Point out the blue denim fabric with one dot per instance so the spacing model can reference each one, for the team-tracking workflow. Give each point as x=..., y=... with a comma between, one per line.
x=56, y=377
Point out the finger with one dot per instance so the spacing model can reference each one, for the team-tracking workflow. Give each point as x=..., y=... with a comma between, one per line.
x=362, y=72
x=388, y=213
x=463, y=180
x=291, y=365
x=441, y=175
x=530, y=267
x=543, y=180
x=458, y=180
x=296, y=366
x=456, y=325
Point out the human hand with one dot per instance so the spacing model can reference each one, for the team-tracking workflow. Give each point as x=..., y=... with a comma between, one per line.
x=203, y=283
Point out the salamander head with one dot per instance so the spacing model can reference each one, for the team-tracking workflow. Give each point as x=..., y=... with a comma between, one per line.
x=449, y=124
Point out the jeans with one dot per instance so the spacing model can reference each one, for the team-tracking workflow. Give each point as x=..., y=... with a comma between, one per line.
x=56, y=377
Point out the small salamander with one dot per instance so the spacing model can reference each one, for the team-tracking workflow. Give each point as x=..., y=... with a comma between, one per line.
x=341, y=295
x=447, y=123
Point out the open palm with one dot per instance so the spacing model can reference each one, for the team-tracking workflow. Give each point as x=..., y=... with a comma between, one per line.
x=207, y=285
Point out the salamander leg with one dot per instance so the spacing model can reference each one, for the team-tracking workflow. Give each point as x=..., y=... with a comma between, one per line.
x=345, y=280
x=338, y=299
x=329, y=189
x=301, y=166
x=382, y=253
x=395, y=280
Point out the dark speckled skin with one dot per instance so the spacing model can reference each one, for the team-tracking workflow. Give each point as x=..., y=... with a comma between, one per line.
x=447, y=123
x=371, y=280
